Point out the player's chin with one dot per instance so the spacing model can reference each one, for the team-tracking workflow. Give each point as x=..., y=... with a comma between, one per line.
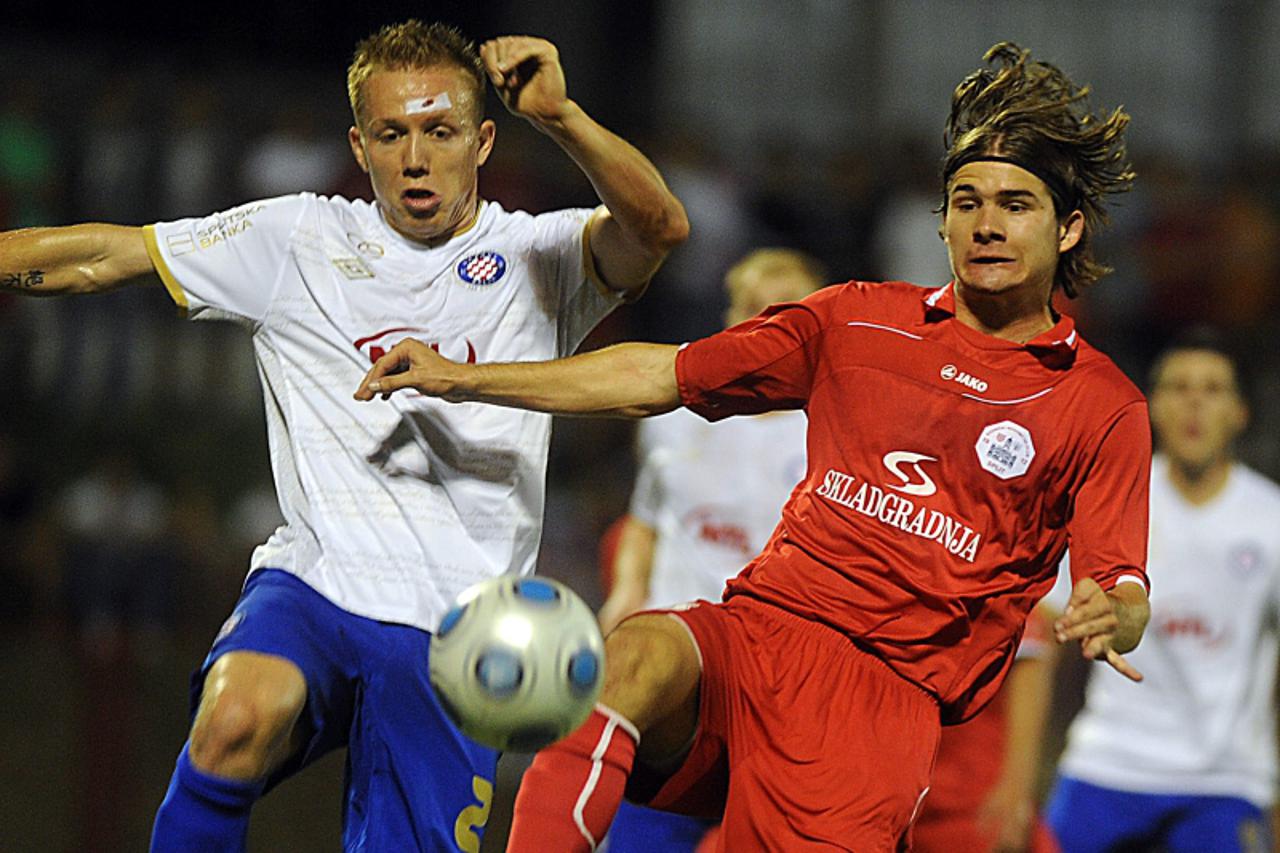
x=419, y=226
x=991, y=280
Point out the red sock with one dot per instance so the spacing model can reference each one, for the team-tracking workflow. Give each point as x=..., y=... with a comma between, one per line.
x=570, y=793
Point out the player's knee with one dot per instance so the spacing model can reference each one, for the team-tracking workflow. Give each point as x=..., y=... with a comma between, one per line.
x=649, y=662
x=240, y=728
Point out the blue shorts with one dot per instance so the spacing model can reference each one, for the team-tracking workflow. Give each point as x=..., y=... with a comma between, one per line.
x=413, y=781
x=637, y=829
x=1086, y=818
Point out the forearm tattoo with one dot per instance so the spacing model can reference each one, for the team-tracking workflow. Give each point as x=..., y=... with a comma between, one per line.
x=21, y=280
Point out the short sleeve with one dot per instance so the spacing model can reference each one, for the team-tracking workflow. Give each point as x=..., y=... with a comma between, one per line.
x=761, y=365
x=562, y=253
x=1108, y=527
x=226, y=262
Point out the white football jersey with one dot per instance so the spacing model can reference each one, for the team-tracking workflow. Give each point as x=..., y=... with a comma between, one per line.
x=1204, y=720
x=393, y=507
x=714, y=494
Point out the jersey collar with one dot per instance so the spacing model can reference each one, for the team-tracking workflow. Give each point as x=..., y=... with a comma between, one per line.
x=1062, y=338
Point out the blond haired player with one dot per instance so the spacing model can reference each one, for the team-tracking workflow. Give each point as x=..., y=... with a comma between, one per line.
x=388, y=514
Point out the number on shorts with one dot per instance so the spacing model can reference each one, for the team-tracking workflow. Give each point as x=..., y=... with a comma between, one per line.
x=473, y=817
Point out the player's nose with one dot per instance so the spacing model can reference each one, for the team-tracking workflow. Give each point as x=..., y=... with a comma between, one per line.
x=417, y=161
x=987, y=227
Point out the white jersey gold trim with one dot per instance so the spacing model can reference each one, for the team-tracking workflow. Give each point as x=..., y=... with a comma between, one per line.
x=392, y=507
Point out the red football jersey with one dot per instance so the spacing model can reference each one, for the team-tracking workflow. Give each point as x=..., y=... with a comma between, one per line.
x=948, y=473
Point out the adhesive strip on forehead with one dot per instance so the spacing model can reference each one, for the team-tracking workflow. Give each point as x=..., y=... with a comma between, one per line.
x=429, y=104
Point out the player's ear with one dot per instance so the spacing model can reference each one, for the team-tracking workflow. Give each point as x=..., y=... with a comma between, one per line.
x=357, y=148
x=1240, y=417
x=488, y=130
x=1070, y=230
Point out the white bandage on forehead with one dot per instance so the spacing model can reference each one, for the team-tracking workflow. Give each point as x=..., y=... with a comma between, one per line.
x=429, y=104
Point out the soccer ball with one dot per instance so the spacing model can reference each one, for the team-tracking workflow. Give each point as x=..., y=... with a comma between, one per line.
x=517, y=663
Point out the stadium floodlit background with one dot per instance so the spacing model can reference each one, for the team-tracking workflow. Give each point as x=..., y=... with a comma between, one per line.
x=133, y=462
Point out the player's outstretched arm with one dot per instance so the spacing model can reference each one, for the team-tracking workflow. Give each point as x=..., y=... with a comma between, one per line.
x=90, y=258
x=1107, y=624
x=631, y=380
x=645, y=220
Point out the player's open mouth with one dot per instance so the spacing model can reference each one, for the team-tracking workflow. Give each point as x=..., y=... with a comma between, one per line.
x=991, y=260
x=420, y=201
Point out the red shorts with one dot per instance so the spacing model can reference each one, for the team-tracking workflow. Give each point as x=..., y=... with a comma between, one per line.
x=805, y=741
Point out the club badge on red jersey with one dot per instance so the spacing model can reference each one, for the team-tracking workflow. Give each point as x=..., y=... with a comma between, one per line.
x=1005, y=449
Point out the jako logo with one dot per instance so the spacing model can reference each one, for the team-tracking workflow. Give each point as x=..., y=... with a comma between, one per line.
x=951, y=373
x=922, y=486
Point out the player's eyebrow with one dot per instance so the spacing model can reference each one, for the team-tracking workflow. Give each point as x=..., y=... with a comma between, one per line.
x=1001, y=194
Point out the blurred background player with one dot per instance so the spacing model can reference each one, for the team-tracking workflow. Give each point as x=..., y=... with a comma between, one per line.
x=389, y=516
x=983, y=792
x=707, y=498
x=1187, y=760
x=960, y=438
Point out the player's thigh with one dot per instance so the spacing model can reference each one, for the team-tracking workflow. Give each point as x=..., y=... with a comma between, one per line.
x=805, y=741
x=1221, y=824
x=414, y=782
x=652, y=669
x=833, y=753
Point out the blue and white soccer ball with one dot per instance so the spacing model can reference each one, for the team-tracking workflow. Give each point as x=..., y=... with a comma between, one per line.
x=517, y=663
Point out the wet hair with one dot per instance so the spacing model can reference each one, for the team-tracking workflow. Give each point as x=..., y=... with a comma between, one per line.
x=414, y=45
x=1031, y=114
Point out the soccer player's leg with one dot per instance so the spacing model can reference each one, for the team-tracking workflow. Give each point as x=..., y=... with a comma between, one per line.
x=1221, y=824
x=241, y=733
x=648, y=711
x=414, y=782
x=804, y=742
x=269, y=699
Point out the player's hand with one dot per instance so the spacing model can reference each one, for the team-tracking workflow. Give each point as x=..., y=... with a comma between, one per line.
x=409, y=364
x=527, y=75
x=1093, y=618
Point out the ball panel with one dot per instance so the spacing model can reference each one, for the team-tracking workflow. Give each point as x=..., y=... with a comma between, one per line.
x=584, y=670
x=537, y=590
x=450, y=620
x=499, y=672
